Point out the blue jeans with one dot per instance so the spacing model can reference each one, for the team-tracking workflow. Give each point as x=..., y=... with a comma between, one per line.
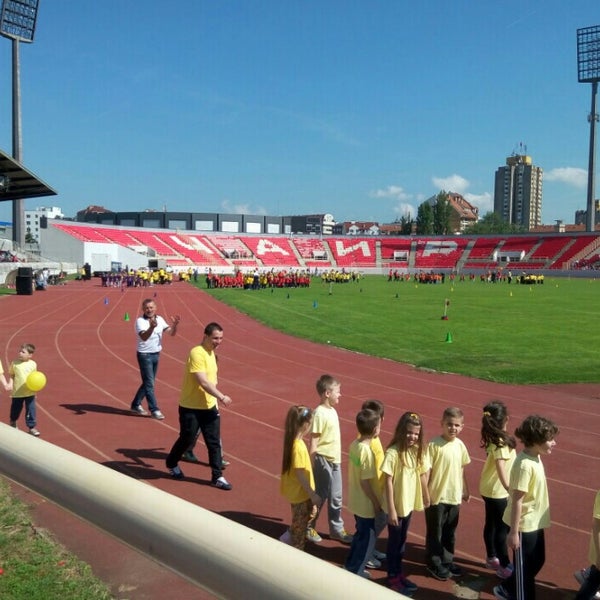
x=16, y=406
x=148, y=362
x=362, y=546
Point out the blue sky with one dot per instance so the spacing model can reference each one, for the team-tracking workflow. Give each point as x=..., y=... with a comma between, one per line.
x=358, y=108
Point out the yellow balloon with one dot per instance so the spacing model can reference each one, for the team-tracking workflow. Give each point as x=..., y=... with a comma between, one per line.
x=36, y=381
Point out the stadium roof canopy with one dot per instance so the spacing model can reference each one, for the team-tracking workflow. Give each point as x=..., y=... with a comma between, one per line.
x=16, y=182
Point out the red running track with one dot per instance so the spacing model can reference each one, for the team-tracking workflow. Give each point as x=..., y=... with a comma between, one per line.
x=87, y=350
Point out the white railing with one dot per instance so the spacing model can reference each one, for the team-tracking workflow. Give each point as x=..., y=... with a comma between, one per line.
x=220, y=556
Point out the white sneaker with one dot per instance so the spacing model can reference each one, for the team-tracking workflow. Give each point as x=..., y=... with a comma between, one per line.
x=158, y=415
x=139, y=410
x=373, y=563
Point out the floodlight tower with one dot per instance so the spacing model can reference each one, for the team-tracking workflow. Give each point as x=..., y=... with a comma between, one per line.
x=588, y=71
x=17, y=22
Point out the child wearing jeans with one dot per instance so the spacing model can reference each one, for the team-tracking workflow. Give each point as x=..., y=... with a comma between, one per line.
x=528, y=509
x=297, y=481
x=363, y=498
x=376, y=557
x=447, y=487
x=21, y=394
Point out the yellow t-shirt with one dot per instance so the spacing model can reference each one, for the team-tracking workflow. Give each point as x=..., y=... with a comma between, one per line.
x=327, y=425
x=406, y=473
x=192, y=395
x=290, y=486
x=592, y=554
x=18, y=370
x=490, y=485
x=448, y=459
x=379, y=454
x=527, y=475
x=361, y=466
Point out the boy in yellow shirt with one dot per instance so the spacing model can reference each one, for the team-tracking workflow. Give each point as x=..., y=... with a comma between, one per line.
x=364, y=499
x=446, y=487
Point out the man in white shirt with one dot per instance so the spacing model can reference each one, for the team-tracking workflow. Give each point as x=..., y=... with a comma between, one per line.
x=149, y=329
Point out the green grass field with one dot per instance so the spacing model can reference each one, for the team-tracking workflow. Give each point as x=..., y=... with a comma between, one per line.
x=34, y=566
x=513, y=333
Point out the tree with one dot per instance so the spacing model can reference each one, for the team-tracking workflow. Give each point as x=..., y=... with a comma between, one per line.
x=492, y=222
x=425, y=219
x=441, y=214
x=406, y=225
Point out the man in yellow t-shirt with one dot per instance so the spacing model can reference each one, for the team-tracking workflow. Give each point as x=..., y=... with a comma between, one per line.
x=199, y=407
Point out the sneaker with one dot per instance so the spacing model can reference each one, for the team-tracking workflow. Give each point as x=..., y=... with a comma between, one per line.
x=439, y=572
x=364, y=573
x=505, y=572
x=224, y=463
x=176, y=473
x=492, y=563
x=397, y=584
x=139, y=410
x=14, y=424
x=501, y=593
x=34, y=431
x=286, y=537
x=156, y=414
x=409, y=586
x=313, y=536
x=373, y=563
x=582, y=575
x=189, y=456
x=343, y=536
x=454, y=570
x=379, y=555
x=221, y=483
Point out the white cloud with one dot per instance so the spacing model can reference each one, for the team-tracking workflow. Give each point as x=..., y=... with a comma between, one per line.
x=569, y=175
x=484, y=202
x=394, y=192
x=403, y=209
x=453, y=183
x=242, y=209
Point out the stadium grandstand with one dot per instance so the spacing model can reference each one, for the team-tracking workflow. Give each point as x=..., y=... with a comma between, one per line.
x=106, y=247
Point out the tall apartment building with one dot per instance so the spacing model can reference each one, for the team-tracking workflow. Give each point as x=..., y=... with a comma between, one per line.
x=33, y=218
x=518, y=192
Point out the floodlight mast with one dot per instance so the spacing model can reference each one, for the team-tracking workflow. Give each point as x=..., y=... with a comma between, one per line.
x=17, y=22
x=588, y=71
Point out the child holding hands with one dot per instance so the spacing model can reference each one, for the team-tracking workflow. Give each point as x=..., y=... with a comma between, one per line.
x=404, y=467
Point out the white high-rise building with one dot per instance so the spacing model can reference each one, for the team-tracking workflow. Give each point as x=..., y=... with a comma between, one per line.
x=33, y=217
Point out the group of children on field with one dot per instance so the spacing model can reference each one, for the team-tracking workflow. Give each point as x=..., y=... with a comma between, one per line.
x=386, y=486
x=21, y=395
